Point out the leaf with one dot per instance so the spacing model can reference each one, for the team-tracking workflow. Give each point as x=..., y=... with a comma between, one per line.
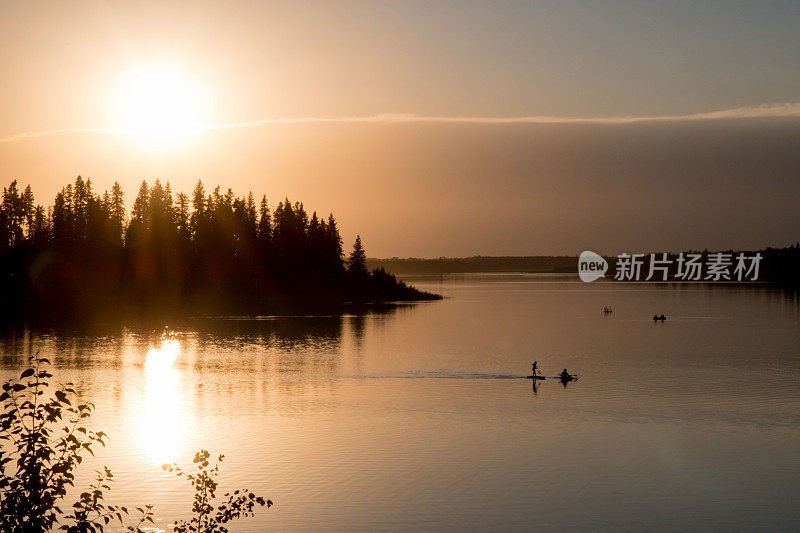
x=27, y=373
x=62, y=397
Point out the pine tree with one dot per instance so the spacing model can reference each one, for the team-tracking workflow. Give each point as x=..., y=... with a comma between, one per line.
x=182, y=219
x=117, y=211
x=334, y=254
x=357, y=262
x=80, y=205
x=139, y=224
x=264, y=225
x=141, y=206
x=60, y=218
x=28, y=210
x=14, y=211
x=41, y=232
x=200, y=207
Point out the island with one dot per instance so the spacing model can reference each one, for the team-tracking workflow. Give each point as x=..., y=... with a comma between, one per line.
x=211, y=252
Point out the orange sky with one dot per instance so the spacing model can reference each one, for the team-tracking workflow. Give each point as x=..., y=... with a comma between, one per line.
x=430, y=128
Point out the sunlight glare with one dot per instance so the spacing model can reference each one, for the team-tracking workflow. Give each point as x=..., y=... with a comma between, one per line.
x=163, y=427
x=162, y=360
x=159, y=105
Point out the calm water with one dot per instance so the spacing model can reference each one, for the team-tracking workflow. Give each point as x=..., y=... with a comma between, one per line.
x=419, y=419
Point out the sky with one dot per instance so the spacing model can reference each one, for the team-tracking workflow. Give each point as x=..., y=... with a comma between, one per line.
x=430, y=128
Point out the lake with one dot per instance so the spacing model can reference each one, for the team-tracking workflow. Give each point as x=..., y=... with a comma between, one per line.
x=420, y=418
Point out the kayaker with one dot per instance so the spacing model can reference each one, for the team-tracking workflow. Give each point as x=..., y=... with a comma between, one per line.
x=565, y=376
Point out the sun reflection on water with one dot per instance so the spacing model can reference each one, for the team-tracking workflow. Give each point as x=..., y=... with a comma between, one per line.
x=163, y=427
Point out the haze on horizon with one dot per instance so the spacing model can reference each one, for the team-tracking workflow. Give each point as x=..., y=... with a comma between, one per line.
x=430, y=128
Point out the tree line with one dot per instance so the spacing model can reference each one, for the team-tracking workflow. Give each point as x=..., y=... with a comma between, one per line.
x=212, y=249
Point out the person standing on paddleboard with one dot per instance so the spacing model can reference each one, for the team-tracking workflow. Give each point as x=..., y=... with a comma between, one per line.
x=534, y=365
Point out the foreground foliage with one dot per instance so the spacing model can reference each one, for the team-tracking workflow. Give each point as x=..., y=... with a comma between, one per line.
x=43, y=439
x=208, y=517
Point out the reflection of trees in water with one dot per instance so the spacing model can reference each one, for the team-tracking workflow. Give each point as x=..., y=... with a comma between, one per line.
x=273, y=345
x=791, y=298
x=221, y=360
x=107, y=344
x=16, y=345
x=358, y=324
x=63, y=349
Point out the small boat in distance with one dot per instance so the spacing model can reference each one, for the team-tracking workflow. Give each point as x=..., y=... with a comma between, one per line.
x=656, y=318
x=566, y=376
x=563, y=376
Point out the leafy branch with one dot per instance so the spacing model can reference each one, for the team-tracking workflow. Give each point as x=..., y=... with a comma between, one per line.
x=207, y=517
x=38, y=457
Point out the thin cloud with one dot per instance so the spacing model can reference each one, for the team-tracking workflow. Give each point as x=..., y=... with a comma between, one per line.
x=762, y=111
x=63, y=131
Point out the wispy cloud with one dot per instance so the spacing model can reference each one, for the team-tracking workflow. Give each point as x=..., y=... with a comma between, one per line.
x=761, y=111
x=63, y=131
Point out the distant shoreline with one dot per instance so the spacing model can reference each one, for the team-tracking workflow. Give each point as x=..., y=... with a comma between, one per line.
x=534, y=264
x=780, y=266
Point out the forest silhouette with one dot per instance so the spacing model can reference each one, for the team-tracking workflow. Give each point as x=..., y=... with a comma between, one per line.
x=211, y=252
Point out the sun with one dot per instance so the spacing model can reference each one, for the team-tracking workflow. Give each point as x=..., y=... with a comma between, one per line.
x=159, y=105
